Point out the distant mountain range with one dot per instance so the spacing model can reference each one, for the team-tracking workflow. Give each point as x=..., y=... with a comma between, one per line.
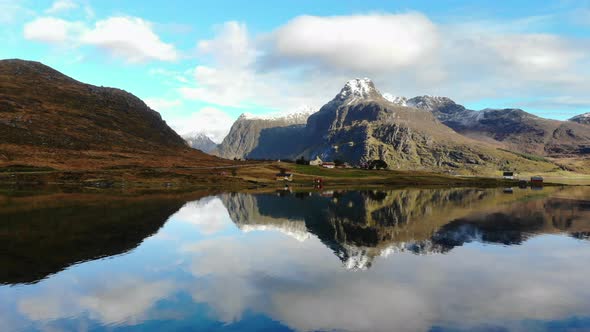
x=514, y=129
x=200, y=141
x=360, y=124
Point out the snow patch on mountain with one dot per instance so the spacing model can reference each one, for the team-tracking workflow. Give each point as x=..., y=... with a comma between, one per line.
x=298, y=233
x=429, y=103
x=582, y=118
x=401, y=101
x=299, y=116
x=356, y=90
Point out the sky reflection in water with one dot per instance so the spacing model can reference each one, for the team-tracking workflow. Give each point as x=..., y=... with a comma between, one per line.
x=405, y=260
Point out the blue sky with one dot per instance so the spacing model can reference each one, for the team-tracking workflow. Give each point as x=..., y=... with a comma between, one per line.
x=201, y=64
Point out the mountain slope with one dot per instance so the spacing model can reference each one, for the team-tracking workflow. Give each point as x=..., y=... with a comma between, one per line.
x=47, y=118
x=200, y=141
x=244, y=135
x=514, y=129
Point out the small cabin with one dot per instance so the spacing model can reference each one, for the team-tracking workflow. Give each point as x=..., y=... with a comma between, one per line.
x=284, y=177
x=328, y=165
x=508, y=175
x=537, y=180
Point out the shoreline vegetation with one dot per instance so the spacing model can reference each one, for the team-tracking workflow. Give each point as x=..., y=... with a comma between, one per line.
x=244, y=176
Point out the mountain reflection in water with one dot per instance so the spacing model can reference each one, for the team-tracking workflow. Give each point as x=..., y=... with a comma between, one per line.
x=361, y=225
x=378, y=260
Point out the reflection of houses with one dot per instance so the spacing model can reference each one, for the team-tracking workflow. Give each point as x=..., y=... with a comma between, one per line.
x=328, y=165
x=284, y=176
x=316, y=162
x=329, y=193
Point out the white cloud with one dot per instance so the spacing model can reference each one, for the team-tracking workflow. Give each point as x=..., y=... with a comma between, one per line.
x=213, y=122
x=125, y=302
x=231, y=46
x=405, y=54
x=129, y=38
x=210, y=121
x=209, y=215
x=62, y=6
x=233, y=79
x=52, y=30
x=361, y=42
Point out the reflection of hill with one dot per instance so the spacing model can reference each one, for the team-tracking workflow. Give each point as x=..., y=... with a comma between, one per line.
x=52, y=234
x=279, y=215
x=359, y=226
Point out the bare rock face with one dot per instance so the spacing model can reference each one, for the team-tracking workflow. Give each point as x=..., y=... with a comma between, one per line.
x=244, y=138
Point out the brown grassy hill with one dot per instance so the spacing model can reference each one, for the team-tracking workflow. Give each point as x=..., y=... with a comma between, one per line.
x=49, y=119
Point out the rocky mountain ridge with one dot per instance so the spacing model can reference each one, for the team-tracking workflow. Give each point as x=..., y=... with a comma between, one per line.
x=244, y=135
x=582, y=118
x=359, y=125
x=513, y=129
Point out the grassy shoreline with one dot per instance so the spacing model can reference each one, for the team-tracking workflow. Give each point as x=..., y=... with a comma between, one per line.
x=248, y=176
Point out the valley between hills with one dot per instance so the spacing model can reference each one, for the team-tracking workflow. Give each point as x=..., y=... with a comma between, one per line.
x=55, y=130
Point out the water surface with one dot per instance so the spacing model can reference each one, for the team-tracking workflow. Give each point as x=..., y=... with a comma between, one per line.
x=380, y=260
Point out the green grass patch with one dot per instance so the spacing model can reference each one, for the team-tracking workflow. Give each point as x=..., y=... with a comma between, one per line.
x=336, y=172
x=528, y=156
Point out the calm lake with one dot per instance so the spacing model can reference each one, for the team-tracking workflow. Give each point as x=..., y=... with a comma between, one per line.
x=379, y=260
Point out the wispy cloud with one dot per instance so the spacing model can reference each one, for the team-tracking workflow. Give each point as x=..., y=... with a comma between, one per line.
x=130, y=38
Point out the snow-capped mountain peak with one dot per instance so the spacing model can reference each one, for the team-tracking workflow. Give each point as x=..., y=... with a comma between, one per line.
x=357, y=89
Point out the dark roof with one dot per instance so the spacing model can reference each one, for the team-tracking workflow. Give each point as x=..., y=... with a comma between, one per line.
x=284, y=174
